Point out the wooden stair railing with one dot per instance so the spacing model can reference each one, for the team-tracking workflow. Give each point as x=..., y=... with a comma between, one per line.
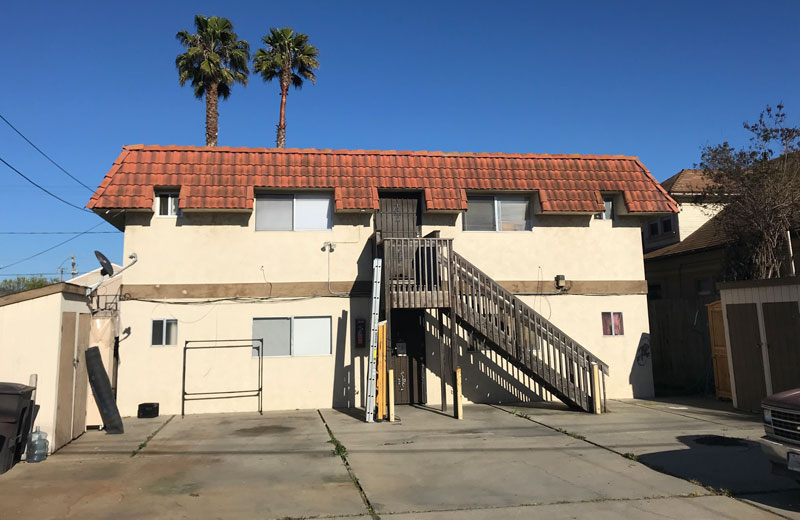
x=523, y=336
x=427, y=273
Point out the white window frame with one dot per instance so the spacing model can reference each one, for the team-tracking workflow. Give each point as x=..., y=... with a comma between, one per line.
x=291, y=335
x=614, y=333
x=294, y=211
x=496, y=208
x=172, y=194
x=164, y=322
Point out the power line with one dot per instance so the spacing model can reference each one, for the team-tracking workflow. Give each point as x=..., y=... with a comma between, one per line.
x=28, y=274
x=44, y=154
x=59, y=232
x=43, y=189
x=51, y=248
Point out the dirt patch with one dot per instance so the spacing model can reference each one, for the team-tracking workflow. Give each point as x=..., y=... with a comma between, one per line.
x=262, y=430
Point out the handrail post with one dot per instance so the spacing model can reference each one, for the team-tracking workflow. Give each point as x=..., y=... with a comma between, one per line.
x=597, y=401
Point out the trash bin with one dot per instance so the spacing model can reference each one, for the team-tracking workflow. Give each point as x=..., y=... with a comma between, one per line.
x=16, y=410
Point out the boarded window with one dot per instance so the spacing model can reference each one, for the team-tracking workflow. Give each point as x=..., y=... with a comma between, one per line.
x=164, y=332
x=612, y=324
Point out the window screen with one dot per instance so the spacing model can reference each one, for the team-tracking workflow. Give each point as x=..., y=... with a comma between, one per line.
x=480, y=214
x=311, y=336
x=312, y=212
x=158, y=332
x=276, y=333
x=274, y=213
x=512, y=213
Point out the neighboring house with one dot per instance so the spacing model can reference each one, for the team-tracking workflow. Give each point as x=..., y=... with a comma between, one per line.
x=244, y=244
x=681, y=282
x=46, y=331
x=686, y=188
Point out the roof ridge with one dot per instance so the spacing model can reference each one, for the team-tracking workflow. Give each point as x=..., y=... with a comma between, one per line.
x=343, y=151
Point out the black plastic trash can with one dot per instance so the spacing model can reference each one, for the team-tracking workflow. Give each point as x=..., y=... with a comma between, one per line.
x=16, y=410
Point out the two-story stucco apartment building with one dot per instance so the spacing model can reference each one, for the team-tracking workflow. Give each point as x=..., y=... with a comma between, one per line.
x=537, y=260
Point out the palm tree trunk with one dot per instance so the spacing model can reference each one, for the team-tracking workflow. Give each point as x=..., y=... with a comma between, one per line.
x=280, y=141
x=212, y=115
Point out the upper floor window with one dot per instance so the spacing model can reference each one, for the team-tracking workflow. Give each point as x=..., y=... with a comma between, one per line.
x=612, y=324
x=497, y=214
x=298, y=212
x=608, y=213
x=167, y=203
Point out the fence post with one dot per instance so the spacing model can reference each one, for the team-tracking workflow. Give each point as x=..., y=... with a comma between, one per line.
x=390, y=388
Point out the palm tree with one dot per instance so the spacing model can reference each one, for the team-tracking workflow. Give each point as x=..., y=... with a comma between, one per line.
x=214, y=60
x=289, y=57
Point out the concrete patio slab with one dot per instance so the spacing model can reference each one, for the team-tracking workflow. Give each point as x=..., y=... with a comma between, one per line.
x=202, y=466
x=429, y=461
x=699, y=508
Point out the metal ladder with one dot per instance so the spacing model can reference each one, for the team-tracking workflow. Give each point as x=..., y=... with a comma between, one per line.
x=372, y=371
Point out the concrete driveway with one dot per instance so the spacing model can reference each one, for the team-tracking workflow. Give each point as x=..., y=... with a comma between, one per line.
x=500, y=462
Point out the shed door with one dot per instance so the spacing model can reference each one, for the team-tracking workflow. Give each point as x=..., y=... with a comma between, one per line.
x=66, y=381
x=782, y=328
x=748, y=365
x=719, y=351
x=399, y=216
x=81, y=377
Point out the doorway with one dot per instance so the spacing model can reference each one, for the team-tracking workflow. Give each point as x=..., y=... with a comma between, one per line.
x=407, y=356
x=399, y=215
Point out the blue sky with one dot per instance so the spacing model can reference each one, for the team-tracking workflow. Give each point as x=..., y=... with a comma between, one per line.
x=655, y=80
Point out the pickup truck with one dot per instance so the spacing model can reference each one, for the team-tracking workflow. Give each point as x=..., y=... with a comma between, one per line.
x=781, y=444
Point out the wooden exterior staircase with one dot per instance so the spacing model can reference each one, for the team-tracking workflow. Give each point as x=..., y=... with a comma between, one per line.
x=427, y=273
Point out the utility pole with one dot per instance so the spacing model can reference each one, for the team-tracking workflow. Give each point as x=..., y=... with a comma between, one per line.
x=74, y=271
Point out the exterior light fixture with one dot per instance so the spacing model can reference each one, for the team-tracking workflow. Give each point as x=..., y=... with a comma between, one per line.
x=561, y=282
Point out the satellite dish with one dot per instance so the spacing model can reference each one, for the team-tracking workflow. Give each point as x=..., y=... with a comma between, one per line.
x=108, y=269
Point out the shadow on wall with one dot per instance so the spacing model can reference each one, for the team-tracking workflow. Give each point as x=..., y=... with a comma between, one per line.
x=641, y=376
x=485, y=376
x=343, y=376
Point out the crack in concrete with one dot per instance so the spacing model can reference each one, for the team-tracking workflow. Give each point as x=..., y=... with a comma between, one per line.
x=150, y=437
x=340, y=450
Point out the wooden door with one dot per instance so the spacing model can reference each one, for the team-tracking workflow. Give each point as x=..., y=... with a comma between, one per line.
x=748, y=365
x=66, y=381
x=81, y=376
x=408, y=357
x=719, y=350
x=398, y=216
x=782, y=329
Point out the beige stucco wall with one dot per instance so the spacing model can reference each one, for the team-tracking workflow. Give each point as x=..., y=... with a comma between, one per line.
x=148, y=373
x=205, y=248
x=202, y=248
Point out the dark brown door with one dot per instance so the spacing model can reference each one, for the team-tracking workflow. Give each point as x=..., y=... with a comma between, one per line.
x=399, y=216
x=748, y=365
x=408, y=356
x=782, y=328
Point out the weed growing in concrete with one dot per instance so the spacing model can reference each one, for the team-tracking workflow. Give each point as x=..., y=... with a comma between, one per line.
x=631, y=456
x=338, y=448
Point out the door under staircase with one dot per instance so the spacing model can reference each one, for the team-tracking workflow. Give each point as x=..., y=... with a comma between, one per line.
x=425, y=273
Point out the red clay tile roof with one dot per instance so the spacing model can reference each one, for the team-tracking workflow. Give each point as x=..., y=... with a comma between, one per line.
x=226, y=178
x=687, y=182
